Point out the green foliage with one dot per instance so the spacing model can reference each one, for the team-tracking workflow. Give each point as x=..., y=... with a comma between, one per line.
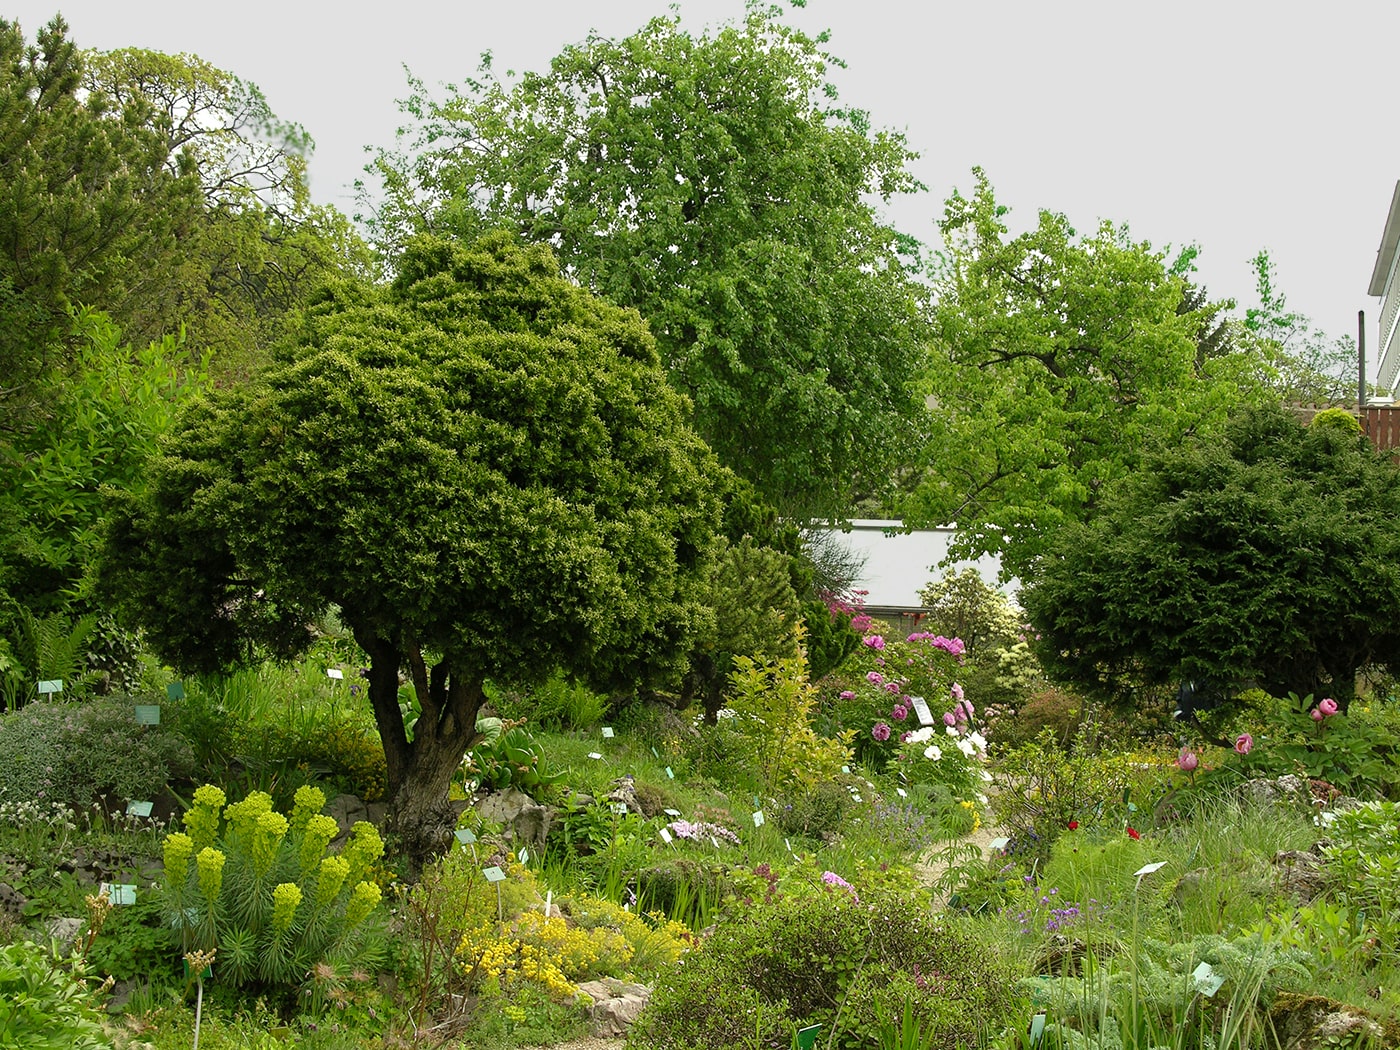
x=1263, y=553
x=45, y=648
x=712, y=182
x=555, y=704
x=960, y=604
x=773, y=704
x=1045, y=788
x=71, y=752
x=42, y=1006
x=260, y=888
x=512, y=759
x=1061, y=360
x=1337, y=419
x=1363, y=862
x=832, y=959
x=556, y=512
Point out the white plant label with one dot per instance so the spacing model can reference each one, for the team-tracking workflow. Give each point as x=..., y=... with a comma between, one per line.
x=607, y=732
x=336, y=673
x=52, y=685
x=594, y=754
x=138, y=809
x=921, y=709
x=758, y=818
x=465, y=836
x=665, y=836
x=494, y=874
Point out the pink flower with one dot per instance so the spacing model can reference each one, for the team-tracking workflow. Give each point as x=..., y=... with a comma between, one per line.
x=881, y=732
x=954, y=646
x=1187, y=760
x=875, y=641
x=1328, y=707
x=949, y=719
x=1243, y=743
x=893, y=687
x=957, y=692
x=899, y=712
x=904, y=737
x=1316, y=715
x=847, y=694
x=874, y=677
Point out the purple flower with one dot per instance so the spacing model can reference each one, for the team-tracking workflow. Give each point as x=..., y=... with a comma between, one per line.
x=875, y=641
x=880, y=732
x=893, y=687
x=847, y=694
x=949, y=719
x=874, y=677
x=1243, y=743
x=899, y=712
x=1187, y=760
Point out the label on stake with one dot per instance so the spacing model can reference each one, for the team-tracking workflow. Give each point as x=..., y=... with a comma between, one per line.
x=921, y=709
x=607, y=732
x=148, y=714
x=465, y=836
x=758, y=818
x=138, y=809
x=175, y=691
x=336, y=673
x=51, y=685
x=494, y=874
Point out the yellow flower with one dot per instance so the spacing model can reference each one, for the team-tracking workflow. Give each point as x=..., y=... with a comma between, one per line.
x=178, y=849
x=210, y=863
x=364, y=898
x=286, y=898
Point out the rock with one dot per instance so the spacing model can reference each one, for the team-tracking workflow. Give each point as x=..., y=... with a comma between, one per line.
x=11, y=900
x=1301, y=874
x=348, y=810
x=526, y=820
x=625, y=791
x=1287, y=788
x=65, y=932
x=615, y=1005
x=1312, y=1022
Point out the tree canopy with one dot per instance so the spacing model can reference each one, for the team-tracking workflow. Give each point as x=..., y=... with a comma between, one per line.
x=481, y=467
x=1060, y=360
x=711, y=182
x=1266, y=554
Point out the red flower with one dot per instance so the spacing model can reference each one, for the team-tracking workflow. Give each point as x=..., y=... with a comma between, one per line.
x=1133, y=834
x=1073, y=825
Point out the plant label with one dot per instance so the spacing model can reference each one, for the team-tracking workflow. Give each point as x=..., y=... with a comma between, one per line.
x=806, y=1038
x=206, y=975
x=655, y=753
x=175, y=691
x=669, y=774
x=607, y=732
x=672, y=812
x=191, y=917
x=846, y=770
x=335, y=673
x=118, y=893
x=594, y=755
x=901, y=792
x=493, y=874
x=52, y=685
x=857, y=798
x=1148, y=869
x=714, y=842
x=523, y=856
x=620, y=808
x=148, y=714
x=758, y=818
x=465, y=836
x=1205, y=980
x=788, y=845
x=1037, y=1029
x=921, y=709
x=138, y=809
x=999, y=843
x=665, y=836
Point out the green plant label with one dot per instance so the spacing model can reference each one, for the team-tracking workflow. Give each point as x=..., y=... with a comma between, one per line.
x=607, y=732
x=669, y=774
x=1205, y=980
x=665, y=836
x=53, y=685
x=846, y=770
x=620, y=808
x=594, y=754
x=148, y=714
x=807, y=1037
x=138, y=809
x=493, y=874
x=175, y=691
x=336, y=673
x=118, y=893
x=206, y=975
x=465, y=836
x=1037, y=1029
x=999, y=843
x=758, y=818
x=190, y=917
x=655, y=753
x=921, y=709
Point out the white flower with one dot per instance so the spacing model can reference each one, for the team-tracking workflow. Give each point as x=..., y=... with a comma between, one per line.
x=921, y=735
x=986, y=776
x=965, y=746
x=951, y=730
x=978, y=740
x=982, y=798
x=932, y=753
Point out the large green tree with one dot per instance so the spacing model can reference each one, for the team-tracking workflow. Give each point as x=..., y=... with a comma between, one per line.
x=1266, y=554
x=1060, y=359
x=481, y=467
x=711, y=182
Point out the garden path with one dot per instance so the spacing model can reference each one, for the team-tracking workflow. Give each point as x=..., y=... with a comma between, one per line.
x=929, y=872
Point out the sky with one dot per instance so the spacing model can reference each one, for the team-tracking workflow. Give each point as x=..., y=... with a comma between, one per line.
x=1236, y=125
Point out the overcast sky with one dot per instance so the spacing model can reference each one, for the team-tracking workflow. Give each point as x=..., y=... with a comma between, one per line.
x=1234, y=125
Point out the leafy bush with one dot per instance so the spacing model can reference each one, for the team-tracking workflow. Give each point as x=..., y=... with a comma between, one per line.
x=509, y=758
x=260, y=889
x=816, y=814
x=834, y=959
x=73, y=752
x=42, y=1006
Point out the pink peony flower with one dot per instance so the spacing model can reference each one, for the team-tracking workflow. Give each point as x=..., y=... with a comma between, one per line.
x=874, y=677
x=899, y=712
x=949, y=719
x=1243, y=743
x=875, y=641
x=880, y=732
x=1187, y=760
x=1328, y=707
x=957, y=692
x=1316, y=715
x=847, y=694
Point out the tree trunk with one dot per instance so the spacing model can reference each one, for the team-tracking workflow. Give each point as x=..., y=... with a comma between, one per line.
x=420, y=770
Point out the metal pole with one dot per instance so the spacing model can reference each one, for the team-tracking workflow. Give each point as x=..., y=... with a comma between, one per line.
x=1361, y=365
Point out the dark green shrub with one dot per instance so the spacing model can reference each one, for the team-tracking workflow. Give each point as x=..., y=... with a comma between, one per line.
x=834, y=959
x=814, y=814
